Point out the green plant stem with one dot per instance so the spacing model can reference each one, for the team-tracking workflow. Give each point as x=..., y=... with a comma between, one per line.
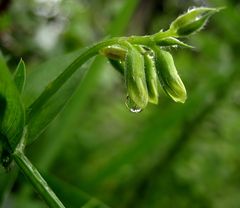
x=37, y=180
x=85, y=56
x=57, y=83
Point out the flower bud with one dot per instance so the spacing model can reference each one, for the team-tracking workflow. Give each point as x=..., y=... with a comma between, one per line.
x=151, y=78
x=168, y=75
x=114, y=52
x=135, y=77
x=192, y=21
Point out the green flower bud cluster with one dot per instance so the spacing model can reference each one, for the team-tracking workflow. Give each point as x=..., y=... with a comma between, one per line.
x=146, y=64
x=144, y=70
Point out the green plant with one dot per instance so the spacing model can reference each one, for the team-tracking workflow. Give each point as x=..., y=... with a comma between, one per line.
x=144, y=62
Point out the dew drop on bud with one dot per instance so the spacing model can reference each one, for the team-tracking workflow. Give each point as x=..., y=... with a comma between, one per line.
x=132, y=106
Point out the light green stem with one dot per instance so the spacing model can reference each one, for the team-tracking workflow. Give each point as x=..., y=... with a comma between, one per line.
x=37, y=180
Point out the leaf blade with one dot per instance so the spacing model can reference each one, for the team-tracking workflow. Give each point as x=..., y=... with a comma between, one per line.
x=37, y=81
x=13, y=117
x=20, y=76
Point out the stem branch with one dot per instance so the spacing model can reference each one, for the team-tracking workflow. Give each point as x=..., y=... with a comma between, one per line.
x=37, y=180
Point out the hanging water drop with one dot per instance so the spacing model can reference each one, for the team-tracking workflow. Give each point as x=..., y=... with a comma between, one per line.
x=131, y=105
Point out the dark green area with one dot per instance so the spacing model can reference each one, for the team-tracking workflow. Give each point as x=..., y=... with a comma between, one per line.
x=170, y=154
x=3, y=105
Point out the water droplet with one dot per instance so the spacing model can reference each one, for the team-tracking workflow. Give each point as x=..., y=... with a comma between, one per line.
x=198, y=17
x=136, y=110
x=132, y=106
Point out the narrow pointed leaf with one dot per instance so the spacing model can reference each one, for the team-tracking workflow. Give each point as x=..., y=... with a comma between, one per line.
x=12, y=112
x=170, y=41
x=20, y=76
x=37, y=81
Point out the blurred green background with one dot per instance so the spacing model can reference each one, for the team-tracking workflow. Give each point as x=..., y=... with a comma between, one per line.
x=169, y=155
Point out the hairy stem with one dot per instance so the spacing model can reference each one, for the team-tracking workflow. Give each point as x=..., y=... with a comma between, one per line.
x=37, y=180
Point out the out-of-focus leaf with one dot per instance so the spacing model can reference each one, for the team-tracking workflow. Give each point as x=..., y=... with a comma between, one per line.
x=72, y=196
x=6, y=181
x=13, y=117
x=20, y=76
x=37, y=81
x=118, y=25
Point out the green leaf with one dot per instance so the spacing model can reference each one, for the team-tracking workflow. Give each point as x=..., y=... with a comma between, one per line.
x=20, y=76
x=37, y=81
x=170, y=41
x=12, y=119
x=71, y=196
x=3, y=105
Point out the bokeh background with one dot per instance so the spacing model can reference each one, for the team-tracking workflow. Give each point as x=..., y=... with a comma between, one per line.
x=169, y=155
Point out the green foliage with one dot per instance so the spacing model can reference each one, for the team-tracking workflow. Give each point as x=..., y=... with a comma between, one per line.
x=73, y=197
x=12, y=111
x=20, y=76
x=184, y=155
x=40, y=79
